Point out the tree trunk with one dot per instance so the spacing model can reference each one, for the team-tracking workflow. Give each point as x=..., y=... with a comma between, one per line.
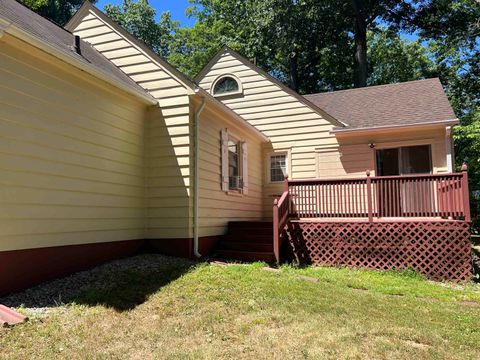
x=293, y=63
x=360, y=73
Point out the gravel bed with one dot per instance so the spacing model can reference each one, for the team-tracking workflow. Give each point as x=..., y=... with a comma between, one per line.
x=40, y=299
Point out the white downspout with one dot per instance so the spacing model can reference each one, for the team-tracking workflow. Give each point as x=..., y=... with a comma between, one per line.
x=449, y=148
x=196, y=185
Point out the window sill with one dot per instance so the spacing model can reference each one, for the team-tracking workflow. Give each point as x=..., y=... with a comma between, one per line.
x=235, y=192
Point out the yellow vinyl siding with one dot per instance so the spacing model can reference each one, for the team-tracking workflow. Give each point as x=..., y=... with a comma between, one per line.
x=167, y=134
x=356, y=156
x=217, y=207
x=295, y=127
x=71, y=154
x=288, y=123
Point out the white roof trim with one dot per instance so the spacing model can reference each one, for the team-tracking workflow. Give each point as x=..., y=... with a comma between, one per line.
x=450, y=122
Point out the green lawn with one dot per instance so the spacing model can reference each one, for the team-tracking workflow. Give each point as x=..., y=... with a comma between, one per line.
x=190, y=311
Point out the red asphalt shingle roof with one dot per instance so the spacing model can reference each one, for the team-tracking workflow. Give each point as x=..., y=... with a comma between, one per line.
x=407, y=103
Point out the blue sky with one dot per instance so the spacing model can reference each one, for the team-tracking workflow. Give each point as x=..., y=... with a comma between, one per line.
x=176, y=7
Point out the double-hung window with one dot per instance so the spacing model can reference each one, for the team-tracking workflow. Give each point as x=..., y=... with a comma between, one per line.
x=234, y=175
x=277, y=167
x=234, y=164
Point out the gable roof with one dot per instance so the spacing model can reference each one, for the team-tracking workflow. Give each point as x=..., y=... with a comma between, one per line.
x=225, y=49
x=19, y=16
x=192, y=86
x=87, y=7
x=409, y=103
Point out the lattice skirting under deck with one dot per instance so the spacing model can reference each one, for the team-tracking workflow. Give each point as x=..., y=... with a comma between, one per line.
x=441, y=250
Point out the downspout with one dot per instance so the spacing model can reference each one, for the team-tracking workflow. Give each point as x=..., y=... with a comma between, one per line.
x=196, y=185
x=449, y=148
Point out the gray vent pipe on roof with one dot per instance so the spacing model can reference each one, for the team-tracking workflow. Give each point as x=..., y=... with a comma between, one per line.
x=76, y=45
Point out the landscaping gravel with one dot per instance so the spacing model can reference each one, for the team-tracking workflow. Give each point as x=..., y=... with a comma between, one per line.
x=39, y=299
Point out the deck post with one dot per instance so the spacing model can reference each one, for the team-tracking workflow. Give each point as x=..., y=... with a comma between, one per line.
x=466, y=193
x=369, y=197
x=286, y=189
x=276, y=247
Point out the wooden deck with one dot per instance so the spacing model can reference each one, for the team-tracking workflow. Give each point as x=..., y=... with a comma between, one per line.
x=396, y=222
x=419, y=222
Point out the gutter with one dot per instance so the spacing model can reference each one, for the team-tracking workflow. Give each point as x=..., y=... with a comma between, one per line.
x=74, y=60
x=196, y=185
x=450, y=122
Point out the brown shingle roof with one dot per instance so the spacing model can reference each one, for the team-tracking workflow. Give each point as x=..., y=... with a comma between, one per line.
x=407, y=103
x=34, y=24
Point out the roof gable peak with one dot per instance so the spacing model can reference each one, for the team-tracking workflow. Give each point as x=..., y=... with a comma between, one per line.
x=226, y=49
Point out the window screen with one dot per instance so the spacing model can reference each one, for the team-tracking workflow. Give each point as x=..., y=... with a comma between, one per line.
x=234, y=164
x=278, y=167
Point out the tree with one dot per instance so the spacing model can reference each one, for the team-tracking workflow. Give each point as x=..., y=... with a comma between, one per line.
x=59, y=11
x=138, y=18
x=393, y=59
x=286, y=37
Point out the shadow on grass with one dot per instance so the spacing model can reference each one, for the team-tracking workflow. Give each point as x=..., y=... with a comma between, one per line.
x=130, y=288
x=121, y=284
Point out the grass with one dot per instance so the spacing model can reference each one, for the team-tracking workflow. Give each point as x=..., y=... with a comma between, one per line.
x=243, y=311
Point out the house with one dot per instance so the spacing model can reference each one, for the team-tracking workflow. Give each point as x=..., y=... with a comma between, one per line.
x=106, y=148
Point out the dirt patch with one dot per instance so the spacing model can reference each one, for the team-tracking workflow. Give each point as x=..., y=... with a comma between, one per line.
x=417, y=345
x=428, y=299
x=308, y=278
x=357, y=288
x=469, y=303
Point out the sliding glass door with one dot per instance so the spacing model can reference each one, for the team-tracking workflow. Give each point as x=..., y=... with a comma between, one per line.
x=403, y=161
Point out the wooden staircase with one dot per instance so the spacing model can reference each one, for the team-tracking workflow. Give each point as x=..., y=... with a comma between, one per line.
x=247, y=241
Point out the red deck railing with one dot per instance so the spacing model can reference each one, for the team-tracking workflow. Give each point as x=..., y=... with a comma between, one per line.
x=427, y=196
x=412, y=196
x=280, y=218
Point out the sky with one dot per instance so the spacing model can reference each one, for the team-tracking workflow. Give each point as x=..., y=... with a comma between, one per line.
x=176, y=7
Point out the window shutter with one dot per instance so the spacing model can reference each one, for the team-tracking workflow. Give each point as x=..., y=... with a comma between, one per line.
x=224, y=150
x=245, y=167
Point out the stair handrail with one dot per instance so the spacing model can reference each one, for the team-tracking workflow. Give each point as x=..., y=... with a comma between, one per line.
x=280, y=217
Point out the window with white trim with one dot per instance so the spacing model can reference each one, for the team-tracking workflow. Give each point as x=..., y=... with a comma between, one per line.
x=278, y=167
x=404, y=160
x=234, y=177
x=234, y=164
x=226, y=85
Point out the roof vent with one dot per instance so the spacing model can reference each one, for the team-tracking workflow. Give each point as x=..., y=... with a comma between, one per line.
x=76, y=45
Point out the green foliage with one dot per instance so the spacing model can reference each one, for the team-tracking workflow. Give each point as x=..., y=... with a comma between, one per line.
x=59, y=11
x=393, y=59
x=138, y=18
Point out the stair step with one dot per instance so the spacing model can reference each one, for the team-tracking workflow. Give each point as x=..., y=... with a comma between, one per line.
x=245, y=246
x=248, y=238
x=251, y=231
x=245, y=255
x=250, y=224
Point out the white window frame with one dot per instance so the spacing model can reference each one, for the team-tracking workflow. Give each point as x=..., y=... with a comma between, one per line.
x=286, y=153
x=400, y=160
x=232, y=93
x=240, y=162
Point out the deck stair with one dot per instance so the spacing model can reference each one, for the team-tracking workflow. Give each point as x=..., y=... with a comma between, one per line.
x=247, y=241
